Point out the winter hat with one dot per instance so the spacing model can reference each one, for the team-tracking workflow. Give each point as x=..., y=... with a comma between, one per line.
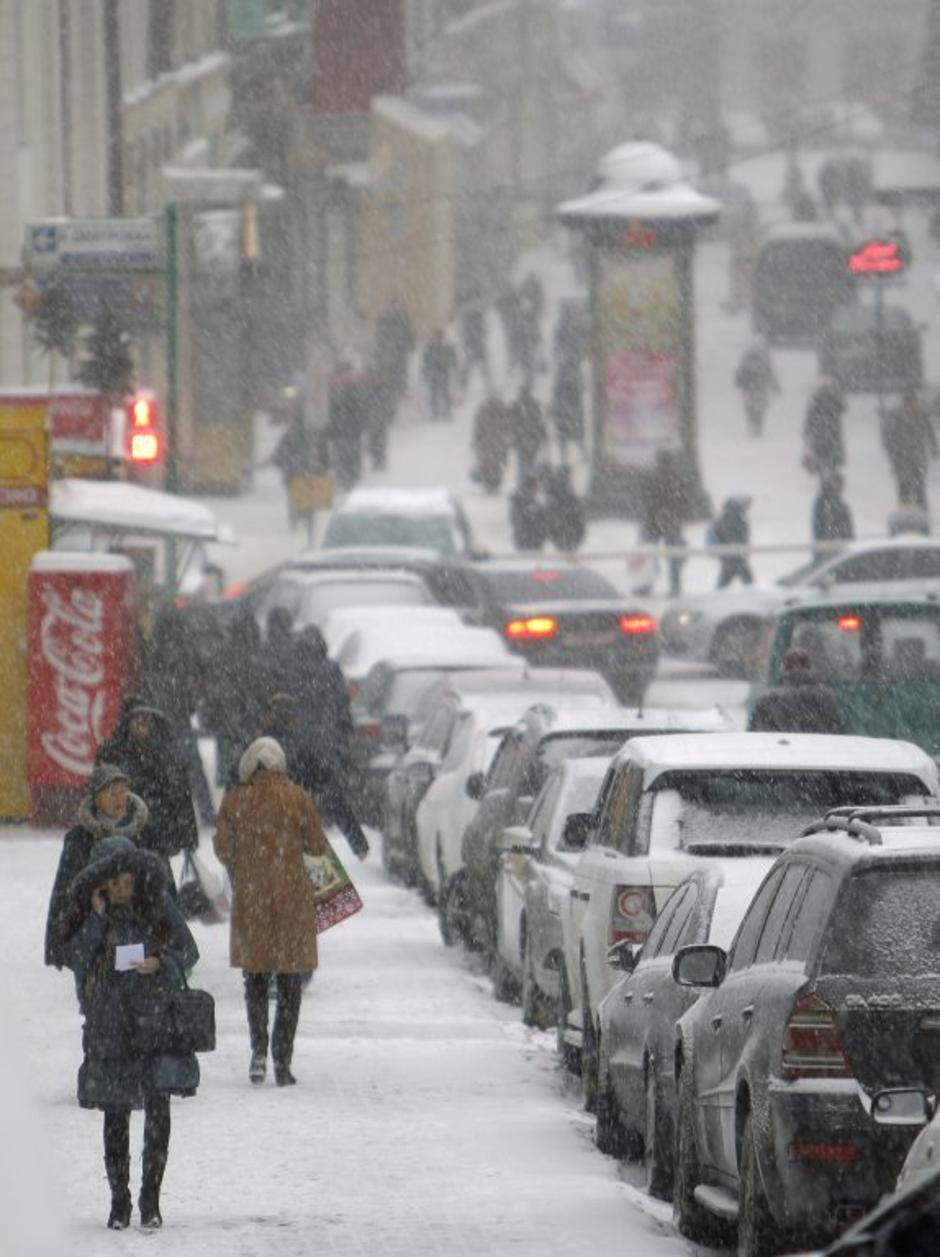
x=102, y=776
x=112, y=856
x=263, y=753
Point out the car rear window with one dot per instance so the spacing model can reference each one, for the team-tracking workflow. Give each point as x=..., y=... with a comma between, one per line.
x=322, y=598
x=866, y=643
x=886, y=924
x=760, y=809
x=548, y=584
x=430, y=532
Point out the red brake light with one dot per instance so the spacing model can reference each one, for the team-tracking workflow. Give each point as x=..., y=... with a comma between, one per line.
x=812, y=1043
x=531, y=626
x=546, y=577
x=849, y=623
x=632, y=914
x=235, y=590
x=636, y=624
x=832, y=1154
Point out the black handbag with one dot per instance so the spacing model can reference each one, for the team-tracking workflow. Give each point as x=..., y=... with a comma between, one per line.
x=169, y=1021
x=191, y=899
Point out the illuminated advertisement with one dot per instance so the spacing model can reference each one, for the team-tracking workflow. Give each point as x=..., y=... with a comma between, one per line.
x=640, y=346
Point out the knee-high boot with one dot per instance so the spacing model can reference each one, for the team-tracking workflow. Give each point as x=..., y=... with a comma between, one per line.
x=117, y=1166
x=156, y=1150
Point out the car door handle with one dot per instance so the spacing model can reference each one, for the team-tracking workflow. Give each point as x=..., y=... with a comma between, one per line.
x=747, y=1013
x=648, y=997
x=716, y=1022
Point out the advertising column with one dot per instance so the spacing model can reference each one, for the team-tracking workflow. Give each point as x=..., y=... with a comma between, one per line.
x=24, y=529
x=81, y=650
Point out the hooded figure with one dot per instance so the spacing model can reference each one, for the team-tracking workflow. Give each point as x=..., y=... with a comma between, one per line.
x=732, y=528
x=799, y=702
x=120, y=899
x=107, y=792
x=266, y=825
x=143, y=746
x=822, y=429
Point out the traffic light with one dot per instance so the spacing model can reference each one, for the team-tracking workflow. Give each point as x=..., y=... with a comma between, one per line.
x=144, y=439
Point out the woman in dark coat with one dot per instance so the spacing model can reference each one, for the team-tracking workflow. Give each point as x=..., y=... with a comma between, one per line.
x=143, y=746
x=108, y=809
x=120, y=898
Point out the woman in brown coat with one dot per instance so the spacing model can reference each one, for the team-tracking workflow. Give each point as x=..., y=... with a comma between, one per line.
x=265, y=825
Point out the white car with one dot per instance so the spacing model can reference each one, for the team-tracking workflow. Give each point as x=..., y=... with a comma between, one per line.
x=431, y=519
x=724, y=627
x=386, y=620
x=669, y=802
x=452, y=645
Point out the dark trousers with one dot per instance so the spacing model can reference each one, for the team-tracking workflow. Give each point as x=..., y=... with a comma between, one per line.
x=156, y=1149
x=287, y=1012
x=732, y=568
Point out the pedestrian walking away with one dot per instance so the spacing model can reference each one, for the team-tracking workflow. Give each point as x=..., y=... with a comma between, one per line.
x=491, y=442
x=732, y=528
x=832, y=519
x=564, y=510
x=824, y=448
x=107, y=809
x=143, y=747
x=910, y=442
x=266, y=824
x=663, y=498
x=528, y=431
x=439, y=368
x=799, y=702
x=473, y=344
x=757, y=379
x=131, y=938
x=568, y=405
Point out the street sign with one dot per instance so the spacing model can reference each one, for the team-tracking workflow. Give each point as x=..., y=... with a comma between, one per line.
x=94, y=244
x=878, y=257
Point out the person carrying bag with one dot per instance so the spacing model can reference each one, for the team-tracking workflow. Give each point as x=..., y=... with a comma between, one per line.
x=129, y=944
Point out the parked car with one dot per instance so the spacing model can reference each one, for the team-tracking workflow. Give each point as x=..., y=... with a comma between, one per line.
x=340, y=625
x=864, y=351
x=668, y=803
x=430, y=519
x=387, y=637
x=724, y=627
x=636, y=1094
x=538, y=858
x=563, y=615
x=830, y=993
x=457, y=723
x=801, y=275
x=878, y=651
x=533, y=881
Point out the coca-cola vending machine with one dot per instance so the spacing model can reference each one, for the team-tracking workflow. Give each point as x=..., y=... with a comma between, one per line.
x=81, y=662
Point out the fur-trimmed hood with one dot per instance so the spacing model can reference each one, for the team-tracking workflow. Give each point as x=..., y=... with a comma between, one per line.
x=101, y=826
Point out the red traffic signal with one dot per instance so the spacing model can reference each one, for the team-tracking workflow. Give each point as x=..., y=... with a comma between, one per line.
x=144, y=443
x=878, y=257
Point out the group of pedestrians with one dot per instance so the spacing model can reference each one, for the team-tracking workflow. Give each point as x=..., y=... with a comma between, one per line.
x=113, y=916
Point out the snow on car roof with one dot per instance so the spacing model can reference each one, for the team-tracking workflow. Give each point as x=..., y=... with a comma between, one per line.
x=875, y=593
x=812, y=752
x=535, y=684
x=397, y=502
x=339, y=624
x=364, y=556
x=429, y=645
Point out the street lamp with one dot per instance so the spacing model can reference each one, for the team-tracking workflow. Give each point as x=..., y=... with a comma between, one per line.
x=639, y=224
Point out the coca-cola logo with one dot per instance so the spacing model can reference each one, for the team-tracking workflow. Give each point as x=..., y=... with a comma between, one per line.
x=72, y=646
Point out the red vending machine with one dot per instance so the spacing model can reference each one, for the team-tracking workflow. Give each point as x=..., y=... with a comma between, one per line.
x=81, y=662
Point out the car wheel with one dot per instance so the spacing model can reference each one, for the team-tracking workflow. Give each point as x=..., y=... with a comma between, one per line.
x=733, y=646
x=534, y=1004
x=694, y=1222
x=505, y=986
x=588, y=1050
x=758, y=1235
x=569, y=1056
x=608, y=1127
x=452, y=911
x=657, y=1140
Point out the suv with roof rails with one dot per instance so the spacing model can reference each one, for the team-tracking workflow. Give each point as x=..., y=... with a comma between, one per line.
x=829, y=994
x=669, y=802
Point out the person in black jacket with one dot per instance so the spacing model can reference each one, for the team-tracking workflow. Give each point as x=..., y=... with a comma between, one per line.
x=143, y=746
x=527, y=519
x=732, y=528
x=107, y=808
x=799, y=702
x=119, y=899
x=832, y=519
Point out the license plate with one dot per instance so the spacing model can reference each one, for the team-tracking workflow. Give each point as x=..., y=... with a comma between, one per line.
x=605, y=638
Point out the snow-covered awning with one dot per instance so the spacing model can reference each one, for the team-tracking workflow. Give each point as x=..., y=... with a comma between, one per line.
x=114, y=506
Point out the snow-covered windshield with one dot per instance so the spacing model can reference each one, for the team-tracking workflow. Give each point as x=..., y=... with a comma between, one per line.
x=426, y=532
x=887, y=924
x=760, y=809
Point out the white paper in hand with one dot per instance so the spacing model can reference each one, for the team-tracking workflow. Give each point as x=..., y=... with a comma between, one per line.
x=127, y=955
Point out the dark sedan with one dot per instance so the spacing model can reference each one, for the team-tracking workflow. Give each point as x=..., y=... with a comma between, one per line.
x=563, y=615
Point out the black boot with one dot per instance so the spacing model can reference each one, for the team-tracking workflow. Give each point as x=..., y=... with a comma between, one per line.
x=289, y=994
x=118, y=1170
x=156, y=1149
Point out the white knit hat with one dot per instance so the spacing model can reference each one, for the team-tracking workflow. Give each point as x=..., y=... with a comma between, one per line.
x=262, y=753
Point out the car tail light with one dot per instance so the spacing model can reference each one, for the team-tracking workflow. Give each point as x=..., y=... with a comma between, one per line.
x=632, y=914
x=532, y=626
x=235, y=590
x=812, y=1043
x=849, y=623
x=369, y=731
x=634, y=625
x=817, y=1150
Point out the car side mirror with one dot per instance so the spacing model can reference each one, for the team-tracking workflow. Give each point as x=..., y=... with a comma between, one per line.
x=476, y=785
x=901, y=1106
x=700, y=964
x=516, y=838
x=623, y=955
x=577, y=831
x=521, y=808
